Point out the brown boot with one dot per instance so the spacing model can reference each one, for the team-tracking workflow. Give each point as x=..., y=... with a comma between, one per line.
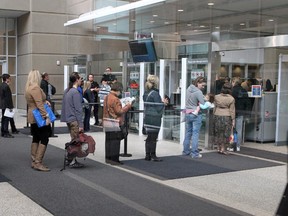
x=34, y=147
x=39, y=157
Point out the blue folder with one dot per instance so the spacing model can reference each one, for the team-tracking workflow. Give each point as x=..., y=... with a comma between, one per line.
x=38, y=117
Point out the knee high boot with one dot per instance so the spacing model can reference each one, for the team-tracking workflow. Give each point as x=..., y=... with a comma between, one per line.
x=153, y=152
x=34, y=147
x=147, y=150
x=39, y=157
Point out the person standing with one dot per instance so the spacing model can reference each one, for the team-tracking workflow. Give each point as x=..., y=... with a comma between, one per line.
x=6, y=102
x=113, y=110
x=224, y=118
x=242, y=106
x=88, y=95
x=36, y=98
x=95, y=89
x=48, y=88
x=193, y=123
x=71, y=113
x=153, y=111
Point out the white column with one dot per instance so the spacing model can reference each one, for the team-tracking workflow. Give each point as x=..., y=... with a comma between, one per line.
x=141, y=92
x=161, y=91
x=183, y=96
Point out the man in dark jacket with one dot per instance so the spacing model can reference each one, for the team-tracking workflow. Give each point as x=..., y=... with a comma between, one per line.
x=6, y=102
x=95, y=89
x=48, y=89
x=242, y=106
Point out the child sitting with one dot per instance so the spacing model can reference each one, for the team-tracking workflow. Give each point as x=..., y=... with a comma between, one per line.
x=209, y=99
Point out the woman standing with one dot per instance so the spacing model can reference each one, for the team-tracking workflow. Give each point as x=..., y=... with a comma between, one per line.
x=71, y=113
x=114, y=110
x=224, y=117
x=153, y=110
x=193, y=123
x=88, y=95
x=36, y=98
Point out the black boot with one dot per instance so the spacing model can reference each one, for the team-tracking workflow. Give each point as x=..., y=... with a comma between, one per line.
x=148, y=157
x=155, y=158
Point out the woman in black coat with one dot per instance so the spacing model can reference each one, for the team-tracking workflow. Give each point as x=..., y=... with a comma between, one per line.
x=153, y=110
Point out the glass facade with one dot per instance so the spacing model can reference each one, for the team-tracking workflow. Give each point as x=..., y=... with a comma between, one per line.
x=8, y=52
x=219, y=39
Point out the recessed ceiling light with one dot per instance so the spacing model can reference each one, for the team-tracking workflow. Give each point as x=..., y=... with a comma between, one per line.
x=217, y=27
x=271, y=20
x=152, y=21
x=180, y=10
x=242, y=24
x=189, y=24
x=202, y=26
x=210, y=4
x=155, y=15
x=166, y=23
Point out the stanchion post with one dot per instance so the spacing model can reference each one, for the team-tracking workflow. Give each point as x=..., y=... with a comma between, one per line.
x=125, y=154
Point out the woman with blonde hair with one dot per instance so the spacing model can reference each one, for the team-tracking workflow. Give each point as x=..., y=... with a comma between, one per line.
x=153, y=110
x=36, y=98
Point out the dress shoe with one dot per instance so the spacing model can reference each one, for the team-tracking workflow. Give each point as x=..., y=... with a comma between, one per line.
x=15, y=132
x=8, y=136
x=155, y=158
x=115, y=163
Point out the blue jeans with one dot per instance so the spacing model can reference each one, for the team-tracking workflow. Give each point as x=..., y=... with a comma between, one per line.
x=192, y=125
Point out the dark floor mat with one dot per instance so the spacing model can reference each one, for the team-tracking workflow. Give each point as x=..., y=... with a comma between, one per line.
x=174, y=167
x=61, y=130
x=282, y=157
x=3, y=178
x=96, y=189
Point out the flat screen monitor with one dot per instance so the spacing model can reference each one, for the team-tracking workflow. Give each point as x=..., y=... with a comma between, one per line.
x=143, y=50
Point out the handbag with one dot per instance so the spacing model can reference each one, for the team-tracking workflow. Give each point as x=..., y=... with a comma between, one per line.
x=38, y=117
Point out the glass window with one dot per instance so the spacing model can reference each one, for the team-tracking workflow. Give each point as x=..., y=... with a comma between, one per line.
x=2, y=27
x=11, y=46
x=11, y=27
x=2, y=46
x=12, y=65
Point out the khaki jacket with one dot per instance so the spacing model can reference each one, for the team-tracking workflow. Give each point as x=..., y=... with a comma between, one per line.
x=35, y=98
x=224, y=105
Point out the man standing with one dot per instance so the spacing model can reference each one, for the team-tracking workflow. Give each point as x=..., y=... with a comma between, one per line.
x=95, y=89
x=6, y=102
x=48, y=89
x=71, y=113
x=242, y=107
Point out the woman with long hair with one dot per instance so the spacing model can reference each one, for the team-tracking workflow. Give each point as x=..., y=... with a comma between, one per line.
x=36, y=98
x=153, y=110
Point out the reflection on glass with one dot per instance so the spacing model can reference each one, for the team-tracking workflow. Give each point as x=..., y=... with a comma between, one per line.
x=11, y=27
x=2, y=46
x=11, y=46
x=2, y=27
x=12, y=65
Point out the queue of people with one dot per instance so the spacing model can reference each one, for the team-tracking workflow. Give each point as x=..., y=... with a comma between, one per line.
x=229, y=108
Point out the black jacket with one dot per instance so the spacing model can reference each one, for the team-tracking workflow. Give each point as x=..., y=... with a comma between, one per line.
x=242, y=101
x=5, y=96
x=153, y=109
x=44, y=86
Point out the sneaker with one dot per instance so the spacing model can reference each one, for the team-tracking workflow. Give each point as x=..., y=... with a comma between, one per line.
x=76, y=165
x=199, y=156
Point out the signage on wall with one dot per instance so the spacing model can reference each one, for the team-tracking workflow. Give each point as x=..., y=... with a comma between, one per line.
x=142, y=35
x=256, y=91
x=197, y=73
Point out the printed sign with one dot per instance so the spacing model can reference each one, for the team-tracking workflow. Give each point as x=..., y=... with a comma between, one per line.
x=256, y=91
